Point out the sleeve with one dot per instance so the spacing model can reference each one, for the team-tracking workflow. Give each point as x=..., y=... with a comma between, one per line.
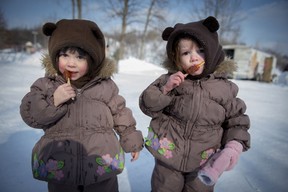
x=152, y=100
x=237, y=122
x=37, y=108
x=131, y=140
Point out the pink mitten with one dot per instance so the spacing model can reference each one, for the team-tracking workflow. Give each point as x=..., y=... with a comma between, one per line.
x=221, y=161
x=234, y=149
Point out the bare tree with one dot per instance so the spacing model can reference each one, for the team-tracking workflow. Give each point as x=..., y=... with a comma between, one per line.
x=3, y=29
x=79, y=9
x=226, y=12
x=127, y=11
x=73, y=9
x=153, y=12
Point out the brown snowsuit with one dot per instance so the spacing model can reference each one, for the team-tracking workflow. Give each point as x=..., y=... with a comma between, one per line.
x=80, y=145
x=196, y=118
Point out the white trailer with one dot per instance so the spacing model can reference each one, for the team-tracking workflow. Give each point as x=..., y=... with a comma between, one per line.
x=251, y=63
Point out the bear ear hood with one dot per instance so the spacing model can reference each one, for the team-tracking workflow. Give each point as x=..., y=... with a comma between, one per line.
x=205, y=33
x=211, y=23
x=48, y=28
x=83, y=34
x=166, y=33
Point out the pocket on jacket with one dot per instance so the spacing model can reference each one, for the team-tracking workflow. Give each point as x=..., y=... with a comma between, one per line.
x=104, y=159
x=166, y=147
x=55, y=161
x=159, y=145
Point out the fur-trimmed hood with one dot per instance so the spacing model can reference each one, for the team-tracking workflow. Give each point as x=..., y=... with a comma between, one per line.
x=204, y=32
x=108, y=69
x=225, y=68
x=84, y=34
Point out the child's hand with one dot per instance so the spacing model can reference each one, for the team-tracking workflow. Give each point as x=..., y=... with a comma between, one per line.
x=63, y=93
x=174, y=81
x=221, y=161
x=135, y=156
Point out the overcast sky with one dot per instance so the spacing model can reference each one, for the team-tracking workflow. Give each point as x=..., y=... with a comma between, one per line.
x=265, y=24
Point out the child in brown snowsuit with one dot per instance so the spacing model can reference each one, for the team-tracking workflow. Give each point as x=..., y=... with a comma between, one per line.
x=199, y=126
x=78, y=106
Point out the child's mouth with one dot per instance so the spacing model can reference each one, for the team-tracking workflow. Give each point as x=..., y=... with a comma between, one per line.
x=195, y=68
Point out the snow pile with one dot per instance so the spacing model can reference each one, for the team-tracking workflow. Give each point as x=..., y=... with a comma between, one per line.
x=33, y=59
x=135, y=66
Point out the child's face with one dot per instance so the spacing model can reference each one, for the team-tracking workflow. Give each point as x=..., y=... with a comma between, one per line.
x=190, y=55
x=76, y=64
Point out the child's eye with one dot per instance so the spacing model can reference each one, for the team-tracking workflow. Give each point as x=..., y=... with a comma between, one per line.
x=63, y=55
x=81, y=57
x=186, y=53
x=201, y=50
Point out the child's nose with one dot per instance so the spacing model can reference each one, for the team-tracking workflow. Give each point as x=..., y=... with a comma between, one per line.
x=194, y=56
x=71, y=62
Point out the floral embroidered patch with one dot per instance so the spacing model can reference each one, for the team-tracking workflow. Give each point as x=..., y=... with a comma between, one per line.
x=107, y=164
x=50, y=170
x=163, y=146
x=205, y=155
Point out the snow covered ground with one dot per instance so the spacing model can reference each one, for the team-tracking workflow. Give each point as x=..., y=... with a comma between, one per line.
x=264, y=168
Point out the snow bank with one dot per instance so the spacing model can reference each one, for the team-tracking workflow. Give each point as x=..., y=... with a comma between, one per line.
x=33, y=59
x=136, y=66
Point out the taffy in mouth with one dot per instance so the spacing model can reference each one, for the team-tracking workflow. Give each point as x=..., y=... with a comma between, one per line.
x=67, y=75
x=195, y=68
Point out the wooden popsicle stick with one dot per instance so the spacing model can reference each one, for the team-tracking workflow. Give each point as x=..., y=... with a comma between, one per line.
x=67, y=75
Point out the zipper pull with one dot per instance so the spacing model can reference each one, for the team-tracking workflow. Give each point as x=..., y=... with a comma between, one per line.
x=78, y=92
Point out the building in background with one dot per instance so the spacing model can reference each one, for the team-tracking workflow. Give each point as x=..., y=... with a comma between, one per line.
x=252, y=64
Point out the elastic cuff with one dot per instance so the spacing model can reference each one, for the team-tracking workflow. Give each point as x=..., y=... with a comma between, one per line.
x=208, y=176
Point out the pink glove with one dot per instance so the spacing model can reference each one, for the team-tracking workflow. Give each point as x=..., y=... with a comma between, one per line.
x=221, y=161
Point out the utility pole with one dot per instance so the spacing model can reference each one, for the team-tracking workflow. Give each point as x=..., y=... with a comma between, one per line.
x=35, y=33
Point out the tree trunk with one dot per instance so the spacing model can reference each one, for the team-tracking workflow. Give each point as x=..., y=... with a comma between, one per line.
x=73, y=9
x=148, y=18
x=123, y=31
x=79, y=7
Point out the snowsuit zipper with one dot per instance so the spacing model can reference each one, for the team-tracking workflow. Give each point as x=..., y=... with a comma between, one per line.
x=195, y=105
x=197, y=100
x=79, y=110
x=77, y=117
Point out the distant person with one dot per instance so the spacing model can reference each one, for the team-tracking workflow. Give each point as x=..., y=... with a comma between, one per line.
x=199, y=126
x=78, y=106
